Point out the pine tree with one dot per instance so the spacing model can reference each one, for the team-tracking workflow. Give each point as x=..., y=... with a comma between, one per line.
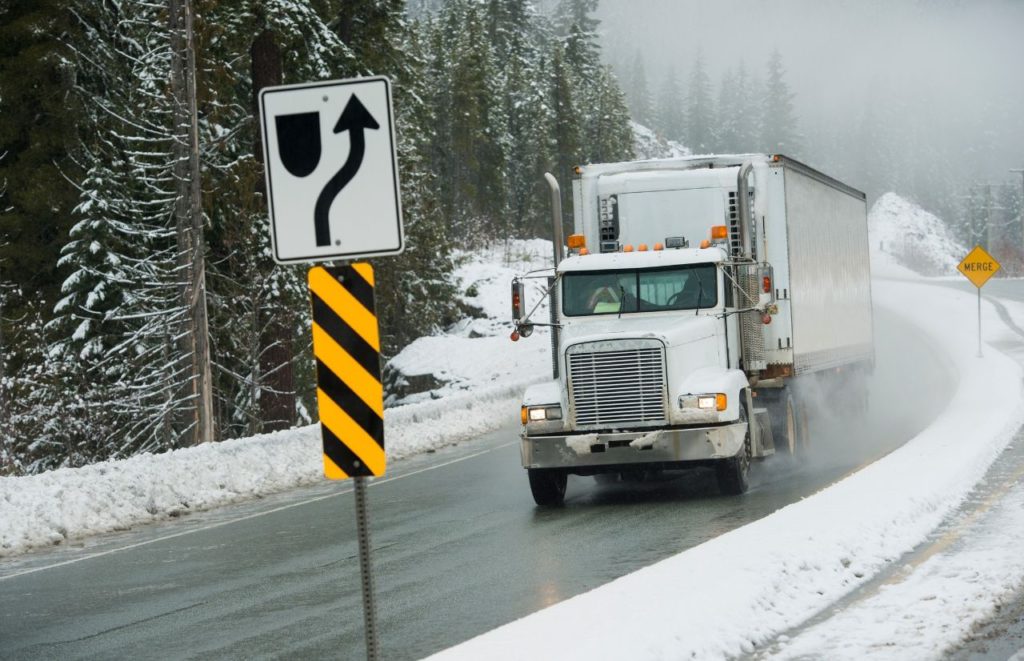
x=779, y=132
x=38, y=139
x=699, y=111
x=640, y=99
x=671, y=116
x=728, y=126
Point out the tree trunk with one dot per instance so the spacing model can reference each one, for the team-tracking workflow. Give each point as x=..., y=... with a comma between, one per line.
x=277, y=380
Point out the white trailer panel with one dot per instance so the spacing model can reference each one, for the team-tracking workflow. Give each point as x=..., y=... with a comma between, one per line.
x=829, y=270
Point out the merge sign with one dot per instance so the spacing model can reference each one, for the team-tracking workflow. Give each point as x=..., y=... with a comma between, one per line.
x=978, y=266
x=332, y=172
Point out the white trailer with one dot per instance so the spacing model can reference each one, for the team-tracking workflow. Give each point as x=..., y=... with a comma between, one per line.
x=700, y=293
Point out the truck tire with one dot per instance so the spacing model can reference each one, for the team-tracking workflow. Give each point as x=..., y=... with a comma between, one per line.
x=789, y=426
x=732, y=474
x=547, y=486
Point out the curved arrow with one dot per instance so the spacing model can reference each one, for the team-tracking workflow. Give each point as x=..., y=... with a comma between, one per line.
x=355, y=118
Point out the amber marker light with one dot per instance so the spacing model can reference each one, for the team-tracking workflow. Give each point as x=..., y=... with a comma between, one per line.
x=576, y=241
x=719, y=232
x=523, y=414
x=721, y=401
x=659, y=246
x=627, y=248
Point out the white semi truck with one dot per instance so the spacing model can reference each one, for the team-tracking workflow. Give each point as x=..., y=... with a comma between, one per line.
x=702, y=301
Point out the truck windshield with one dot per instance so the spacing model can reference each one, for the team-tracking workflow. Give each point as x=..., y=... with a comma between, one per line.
x=647, y=290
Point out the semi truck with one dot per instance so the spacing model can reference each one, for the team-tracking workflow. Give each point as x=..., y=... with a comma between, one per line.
x=703, y=302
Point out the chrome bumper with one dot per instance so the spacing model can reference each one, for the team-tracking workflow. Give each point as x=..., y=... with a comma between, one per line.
x=609, y=449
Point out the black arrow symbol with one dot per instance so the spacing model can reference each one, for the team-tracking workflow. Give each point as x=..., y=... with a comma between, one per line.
x=356, y=118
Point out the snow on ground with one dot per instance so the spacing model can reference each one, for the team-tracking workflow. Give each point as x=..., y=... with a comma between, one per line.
x=484, y=372
x=478, y=352
x=743, y=588
x=647, y=144
x=915, y=238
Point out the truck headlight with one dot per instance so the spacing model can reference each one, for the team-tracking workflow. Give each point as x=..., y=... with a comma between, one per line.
x=541, y=413
x=716, y=401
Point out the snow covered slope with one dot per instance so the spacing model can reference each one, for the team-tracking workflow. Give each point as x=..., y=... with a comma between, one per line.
x=913, y=237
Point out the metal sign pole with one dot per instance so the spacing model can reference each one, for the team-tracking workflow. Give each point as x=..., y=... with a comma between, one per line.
x=363, y=535
x=979, y=322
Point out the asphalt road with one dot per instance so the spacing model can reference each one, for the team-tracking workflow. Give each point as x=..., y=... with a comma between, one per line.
x=459, y=548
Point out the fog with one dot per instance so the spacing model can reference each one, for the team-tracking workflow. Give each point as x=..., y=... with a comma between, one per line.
x=926, y=98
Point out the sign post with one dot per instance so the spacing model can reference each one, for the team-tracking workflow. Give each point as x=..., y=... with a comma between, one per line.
x=978, y=266
x=333, y=194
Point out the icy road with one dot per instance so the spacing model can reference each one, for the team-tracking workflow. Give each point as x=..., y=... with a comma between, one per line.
x=459, y=550
x=901, y=557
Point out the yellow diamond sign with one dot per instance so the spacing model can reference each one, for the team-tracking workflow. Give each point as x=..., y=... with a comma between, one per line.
x=978, y=266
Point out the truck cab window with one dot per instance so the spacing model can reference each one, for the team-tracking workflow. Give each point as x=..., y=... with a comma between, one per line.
x=647, y=290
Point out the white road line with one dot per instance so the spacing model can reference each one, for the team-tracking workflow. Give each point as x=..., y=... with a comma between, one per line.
x=247, y=517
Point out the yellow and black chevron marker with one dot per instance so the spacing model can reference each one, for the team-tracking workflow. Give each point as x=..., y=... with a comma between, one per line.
x=346, y=344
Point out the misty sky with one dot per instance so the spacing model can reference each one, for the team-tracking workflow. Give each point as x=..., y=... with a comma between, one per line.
x=947, y=70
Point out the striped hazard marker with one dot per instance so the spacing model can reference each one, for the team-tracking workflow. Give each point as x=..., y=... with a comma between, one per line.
x=346, y=344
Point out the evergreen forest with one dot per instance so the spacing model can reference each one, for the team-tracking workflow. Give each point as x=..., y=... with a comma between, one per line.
x=140, y=308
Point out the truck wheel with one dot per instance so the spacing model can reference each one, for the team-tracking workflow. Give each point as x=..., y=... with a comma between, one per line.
x=547, y=486
x=789, y=427
x=732, y=474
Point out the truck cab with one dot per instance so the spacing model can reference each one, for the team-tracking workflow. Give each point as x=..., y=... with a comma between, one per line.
x=648, y=346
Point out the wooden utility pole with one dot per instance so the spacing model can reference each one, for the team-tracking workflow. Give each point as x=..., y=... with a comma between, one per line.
x=189, y=217
x=1020, y=171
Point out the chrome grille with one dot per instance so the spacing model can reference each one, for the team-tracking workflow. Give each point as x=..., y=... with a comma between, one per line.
x=616, y=387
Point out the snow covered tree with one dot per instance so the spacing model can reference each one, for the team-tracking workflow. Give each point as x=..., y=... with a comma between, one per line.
x=608, y=135
x=575, y=21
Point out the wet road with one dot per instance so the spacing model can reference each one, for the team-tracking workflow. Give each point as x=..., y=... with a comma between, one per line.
x=459, y=548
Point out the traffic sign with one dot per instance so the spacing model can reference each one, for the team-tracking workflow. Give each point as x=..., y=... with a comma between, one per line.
x=332, y=171
x=978, y=266
x=346, y=345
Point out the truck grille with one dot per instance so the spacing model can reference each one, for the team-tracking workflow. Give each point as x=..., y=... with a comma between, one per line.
x=617, y=387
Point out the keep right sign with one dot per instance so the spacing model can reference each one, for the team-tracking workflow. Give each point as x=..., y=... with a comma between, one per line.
x=978, y=266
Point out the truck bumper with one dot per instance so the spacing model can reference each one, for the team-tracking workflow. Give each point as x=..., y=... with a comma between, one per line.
x=664, y=446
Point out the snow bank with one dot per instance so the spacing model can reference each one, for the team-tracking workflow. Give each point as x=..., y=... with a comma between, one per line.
x=915, y=238
x=934, y=607
x=725, y=597
x=484, y=376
